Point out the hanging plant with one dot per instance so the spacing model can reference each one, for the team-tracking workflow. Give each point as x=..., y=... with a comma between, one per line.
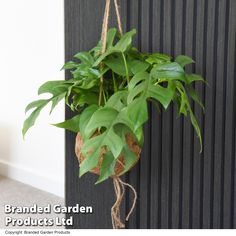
x=109, y=91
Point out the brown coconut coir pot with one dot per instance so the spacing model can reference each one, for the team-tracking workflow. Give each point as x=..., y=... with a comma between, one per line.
x=119, y=167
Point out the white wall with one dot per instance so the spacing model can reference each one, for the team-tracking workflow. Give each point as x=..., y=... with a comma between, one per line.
x=31, y=52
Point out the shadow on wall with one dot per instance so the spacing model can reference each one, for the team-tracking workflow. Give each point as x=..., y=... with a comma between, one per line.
x=5, y=149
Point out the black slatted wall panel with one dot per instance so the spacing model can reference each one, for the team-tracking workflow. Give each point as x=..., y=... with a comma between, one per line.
x=177, y=186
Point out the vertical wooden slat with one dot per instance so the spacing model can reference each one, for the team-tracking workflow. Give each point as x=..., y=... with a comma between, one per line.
x=209, y=119
x=177, y=155
x=187, y=130
x=219, y=117
x=156, y=133
x=166, y=130
x=145, y=163
x=229, y=60
x=133, y=21
x=197, y=158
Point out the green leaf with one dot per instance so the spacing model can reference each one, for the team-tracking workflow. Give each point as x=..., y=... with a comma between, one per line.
x=184, y=60
x=149, y=90
x=137, y=66
x=170, y=70
x=117, y=100
x=196, y=127
x=193, y=94
x=84, y=71
x=193, y=77
x=111, y=34
x=137, y=112
x=122, y=45
x=139, y=135
x=187, y=106
x=117, y=65
x=107, y=167
x=69, y=65
x=103, y=117
x=85, y=58
x=55, y=100
x=85, y=117
x=141, y=88
x=137, y=78
x=183, y=104
x=70, y=124
x=88, y=83
x=35, y=104
x=29, y=122
x=54, y=87
x=107, y=118
x=158, y=58
x=125, y=41
x=84, y=97
x=130, y=159
x=91, y=160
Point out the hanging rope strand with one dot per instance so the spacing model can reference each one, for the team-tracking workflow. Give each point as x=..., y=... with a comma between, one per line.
x=105, y=26
x=135, y=198
x=106, y=22
x=118, y=17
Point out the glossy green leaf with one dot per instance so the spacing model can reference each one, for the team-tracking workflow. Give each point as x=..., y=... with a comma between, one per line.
x=85, y=57
x=70, y=124
x=35, y=104
x=122, y=45
x=69, y=65
x=193, y=94
x=85, y=117
x=137, y=66
x=106, y=118
x=183, y=60
x=107, y=167
x=137, y=112
x=84, y=98
x=193, y=77
x=158, y=58
x=117, y=100
x=117, y=65
x=111, y=34
x=171, y=70
x=196, y=126
x=29, y=122
x=125, y=41
x=149, y=90
x=130, y=159
x=54, y=87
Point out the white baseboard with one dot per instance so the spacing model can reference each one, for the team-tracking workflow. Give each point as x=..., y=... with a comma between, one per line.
x=32, y=178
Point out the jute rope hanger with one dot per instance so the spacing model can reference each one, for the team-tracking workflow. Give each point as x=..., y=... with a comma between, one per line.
x=106, y=22
x=119, y=185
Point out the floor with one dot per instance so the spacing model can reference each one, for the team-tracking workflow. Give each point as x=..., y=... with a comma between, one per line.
x=18, y=194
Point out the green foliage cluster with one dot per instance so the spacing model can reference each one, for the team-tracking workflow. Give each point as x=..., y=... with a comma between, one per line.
x=110, y=93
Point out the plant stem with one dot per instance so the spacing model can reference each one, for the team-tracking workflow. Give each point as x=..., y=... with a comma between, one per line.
x=104, y=96
x=100, y=91
x=114, y=82
x=122, y=84
x=126, y=68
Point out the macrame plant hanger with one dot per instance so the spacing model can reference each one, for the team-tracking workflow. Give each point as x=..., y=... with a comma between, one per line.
x=119, y=185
